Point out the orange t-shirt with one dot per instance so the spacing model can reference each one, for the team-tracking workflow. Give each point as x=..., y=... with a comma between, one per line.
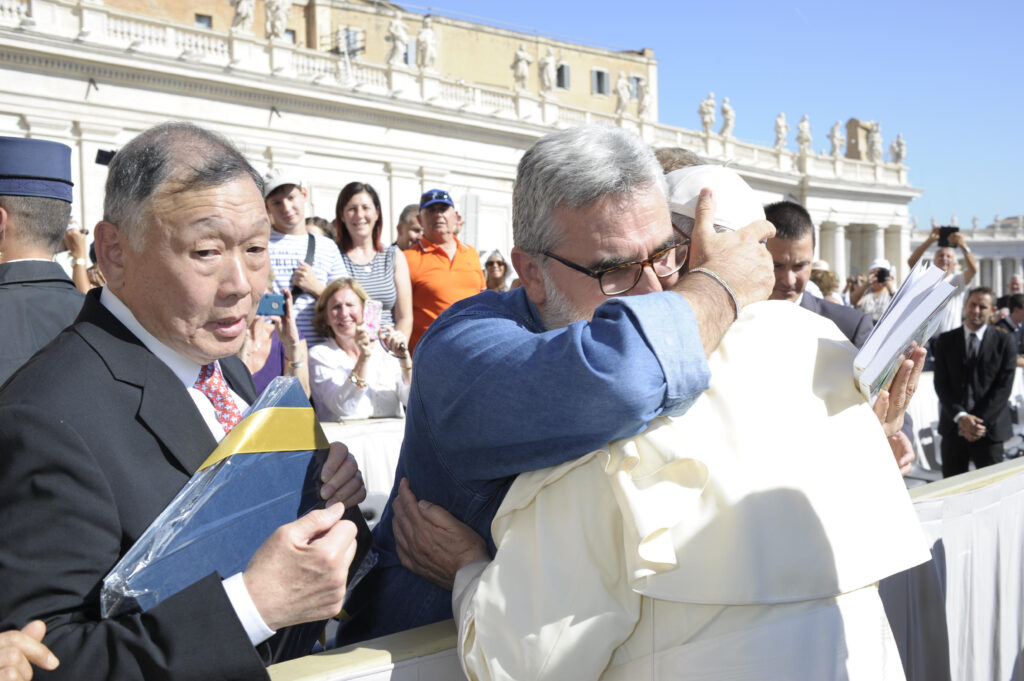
x=438, y=281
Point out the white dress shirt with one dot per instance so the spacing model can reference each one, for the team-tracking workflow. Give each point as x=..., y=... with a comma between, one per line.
x=187, y=372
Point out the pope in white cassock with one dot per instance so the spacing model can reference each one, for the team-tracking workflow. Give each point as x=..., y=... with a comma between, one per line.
x=742, y=540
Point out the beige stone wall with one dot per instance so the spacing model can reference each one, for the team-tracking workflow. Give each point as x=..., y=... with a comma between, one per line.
x=471, y=52
x=221, y=11
x=484, y=55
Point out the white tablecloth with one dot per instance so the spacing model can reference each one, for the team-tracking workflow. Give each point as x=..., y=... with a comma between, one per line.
x=376, y=444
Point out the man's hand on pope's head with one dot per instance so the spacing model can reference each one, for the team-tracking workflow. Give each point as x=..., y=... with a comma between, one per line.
x=342, y=480
x=739, y=257
x=431, y=542
x=299, y=574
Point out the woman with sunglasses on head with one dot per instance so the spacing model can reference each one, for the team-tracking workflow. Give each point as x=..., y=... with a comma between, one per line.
x=496, y=271
x=351, y=375
x=382, y=272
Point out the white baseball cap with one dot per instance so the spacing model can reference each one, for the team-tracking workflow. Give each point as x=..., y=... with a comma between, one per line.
x=277, y=177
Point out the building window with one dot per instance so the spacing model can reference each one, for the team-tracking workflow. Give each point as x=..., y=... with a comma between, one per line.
x=289, y=35
x=600, y=82
x=634, y=87
x=562, y=77
x=204, y=21
x=410, y=53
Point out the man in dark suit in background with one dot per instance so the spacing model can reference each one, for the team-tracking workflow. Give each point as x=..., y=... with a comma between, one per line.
x=103, y=427
x=36, y=296
x=792, y=250
x=1013, y=323
x=974, y=367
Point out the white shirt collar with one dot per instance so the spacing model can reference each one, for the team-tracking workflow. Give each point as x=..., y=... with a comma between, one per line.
x=980, y=333
x=184, y=368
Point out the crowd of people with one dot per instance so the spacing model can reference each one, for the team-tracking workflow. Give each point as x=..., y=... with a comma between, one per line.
x=602, y=403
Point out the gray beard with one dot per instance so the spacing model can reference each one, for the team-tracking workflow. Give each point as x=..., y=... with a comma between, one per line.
x=558, y=312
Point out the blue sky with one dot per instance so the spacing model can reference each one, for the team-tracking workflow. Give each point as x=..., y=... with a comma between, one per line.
x=948, y=76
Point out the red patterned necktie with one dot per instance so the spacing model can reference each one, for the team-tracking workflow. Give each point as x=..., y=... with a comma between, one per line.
x=211, y=383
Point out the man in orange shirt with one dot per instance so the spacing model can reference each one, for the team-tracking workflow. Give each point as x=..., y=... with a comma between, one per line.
x=443, y=270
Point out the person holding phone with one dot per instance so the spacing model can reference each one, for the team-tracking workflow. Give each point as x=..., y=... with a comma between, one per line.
x=353, y=375
x=949, y=239
x=273, y=346
x=875, y=294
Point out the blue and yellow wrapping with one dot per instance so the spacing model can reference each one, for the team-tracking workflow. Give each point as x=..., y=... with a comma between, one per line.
x=264, y=474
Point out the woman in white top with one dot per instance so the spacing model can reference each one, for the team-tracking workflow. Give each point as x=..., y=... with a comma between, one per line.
x=382, y=272
x=351, y=375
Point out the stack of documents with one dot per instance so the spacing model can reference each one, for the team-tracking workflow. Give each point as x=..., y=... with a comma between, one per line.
x=912, y=317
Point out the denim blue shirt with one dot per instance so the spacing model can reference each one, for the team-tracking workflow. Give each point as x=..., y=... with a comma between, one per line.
x=494, y=394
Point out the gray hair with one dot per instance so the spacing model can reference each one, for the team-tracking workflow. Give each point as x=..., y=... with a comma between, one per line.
x=42, y=221
x=573, y=168
x=183, y=153
x=409, y=213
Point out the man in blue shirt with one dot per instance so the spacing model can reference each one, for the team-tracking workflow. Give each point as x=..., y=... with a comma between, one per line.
x=602, y=338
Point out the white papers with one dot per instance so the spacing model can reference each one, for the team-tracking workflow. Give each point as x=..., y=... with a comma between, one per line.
x=912, y=316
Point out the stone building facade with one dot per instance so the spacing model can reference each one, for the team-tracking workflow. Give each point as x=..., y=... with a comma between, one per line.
x=329, y=105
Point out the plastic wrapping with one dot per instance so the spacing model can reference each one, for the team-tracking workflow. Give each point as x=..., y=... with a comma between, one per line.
x=228, y=509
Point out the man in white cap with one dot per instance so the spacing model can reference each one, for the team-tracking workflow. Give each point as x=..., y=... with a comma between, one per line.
x=715, y=544
x=303, y=262
x=874, y=295
x=36, y=296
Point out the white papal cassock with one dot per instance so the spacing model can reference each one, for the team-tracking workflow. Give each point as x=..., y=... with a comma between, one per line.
x=743, y=540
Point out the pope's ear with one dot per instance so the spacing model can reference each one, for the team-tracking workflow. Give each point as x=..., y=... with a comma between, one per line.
x=528, y=268
x=110, y=246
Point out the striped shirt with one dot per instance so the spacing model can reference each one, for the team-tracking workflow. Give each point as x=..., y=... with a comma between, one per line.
x=378, y=279
x=288, y=251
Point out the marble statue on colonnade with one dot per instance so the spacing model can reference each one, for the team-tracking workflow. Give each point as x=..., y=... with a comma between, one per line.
x=548, y=71
x=623, y=92
x=803, y=135
x=875, y=143
x=426, y=45
x=643, y=107
x=706, y=110
x=974, y=223
x=781, y=130
x=838, y=139
x=277, y=18
x=521, y=67
x=398, y=33
x=898, y=150
x=728, y=118
x=242, y=21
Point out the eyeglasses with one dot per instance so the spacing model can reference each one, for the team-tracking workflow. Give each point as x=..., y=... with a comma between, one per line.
x=495, y=263
x=619, y=279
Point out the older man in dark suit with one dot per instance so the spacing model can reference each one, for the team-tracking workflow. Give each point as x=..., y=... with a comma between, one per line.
x=974, y=367
x=36, y=296
x=102, y=428
x=792, y=250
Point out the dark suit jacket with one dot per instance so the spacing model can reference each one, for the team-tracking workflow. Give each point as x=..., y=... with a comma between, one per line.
x=97, y=435
x=993, y=381
x=37, y=301
x=854, y=324
x=1016, y=334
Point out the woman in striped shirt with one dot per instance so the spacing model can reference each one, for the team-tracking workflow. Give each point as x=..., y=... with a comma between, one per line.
x=383, y=273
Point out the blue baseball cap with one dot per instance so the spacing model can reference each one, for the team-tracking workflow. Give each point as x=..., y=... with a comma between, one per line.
x=433, y=196
x=31, y=167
